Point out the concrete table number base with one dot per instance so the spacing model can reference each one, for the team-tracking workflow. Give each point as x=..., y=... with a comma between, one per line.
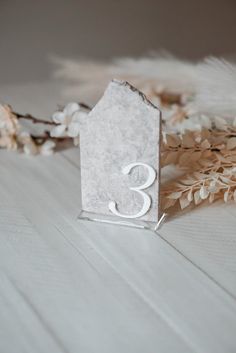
x=120, y=159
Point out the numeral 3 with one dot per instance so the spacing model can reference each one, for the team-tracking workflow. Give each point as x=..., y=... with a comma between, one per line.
x=146, y=198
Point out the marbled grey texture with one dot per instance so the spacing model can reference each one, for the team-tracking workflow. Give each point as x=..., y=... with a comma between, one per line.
x=123, y=128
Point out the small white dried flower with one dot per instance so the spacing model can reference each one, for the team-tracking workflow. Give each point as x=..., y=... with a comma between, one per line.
x=28, y=144
x=68, y=121
x=30, y=147
x=47, y=148
x=9, y=128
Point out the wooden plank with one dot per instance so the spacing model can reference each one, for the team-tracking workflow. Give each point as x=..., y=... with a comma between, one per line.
x=125, y=288
x=22, y=327
x=207, y=237
x=85, y=304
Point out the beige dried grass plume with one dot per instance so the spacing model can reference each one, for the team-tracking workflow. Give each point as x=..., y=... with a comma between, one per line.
x=211, y=82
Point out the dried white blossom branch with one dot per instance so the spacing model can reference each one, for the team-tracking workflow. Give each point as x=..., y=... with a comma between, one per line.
x=64, y=126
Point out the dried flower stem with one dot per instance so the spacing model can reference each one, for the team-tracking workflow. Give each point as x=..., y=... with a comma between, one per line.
x=85, y=106
x=43, y=121
x=33, y=119
x=40, y=139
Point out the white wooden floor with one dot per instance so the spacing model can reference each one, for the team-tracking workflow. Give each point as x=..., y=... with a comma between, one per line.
x=71, y=286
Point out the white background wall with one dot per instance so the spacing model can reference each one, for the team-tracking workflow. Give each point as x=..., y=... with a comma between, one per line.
x=30, y=30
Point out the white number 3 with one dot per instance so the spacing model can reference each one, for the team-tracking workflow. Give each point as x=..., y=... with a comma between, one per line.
x=146, y=198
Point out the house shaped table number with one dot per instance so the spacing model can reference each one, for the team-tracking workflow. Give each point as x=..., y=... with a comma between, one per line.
x=120, y=159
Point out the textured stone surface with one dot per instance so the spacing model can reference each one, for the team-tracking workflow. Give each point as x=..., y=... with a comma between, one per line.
x=123, y=128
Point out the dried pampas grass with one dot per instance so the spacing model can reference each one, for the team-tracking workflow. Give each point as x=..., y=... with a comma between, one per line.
x=210, y=84
x=215, y=90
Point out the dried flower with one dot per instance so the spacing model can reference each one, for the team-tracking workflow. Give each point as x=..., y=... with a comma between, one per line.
x=66, y=125
x=67, y=120
x=9, y=128
x=31, y=146
x=209, y=159
x=47, y=148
